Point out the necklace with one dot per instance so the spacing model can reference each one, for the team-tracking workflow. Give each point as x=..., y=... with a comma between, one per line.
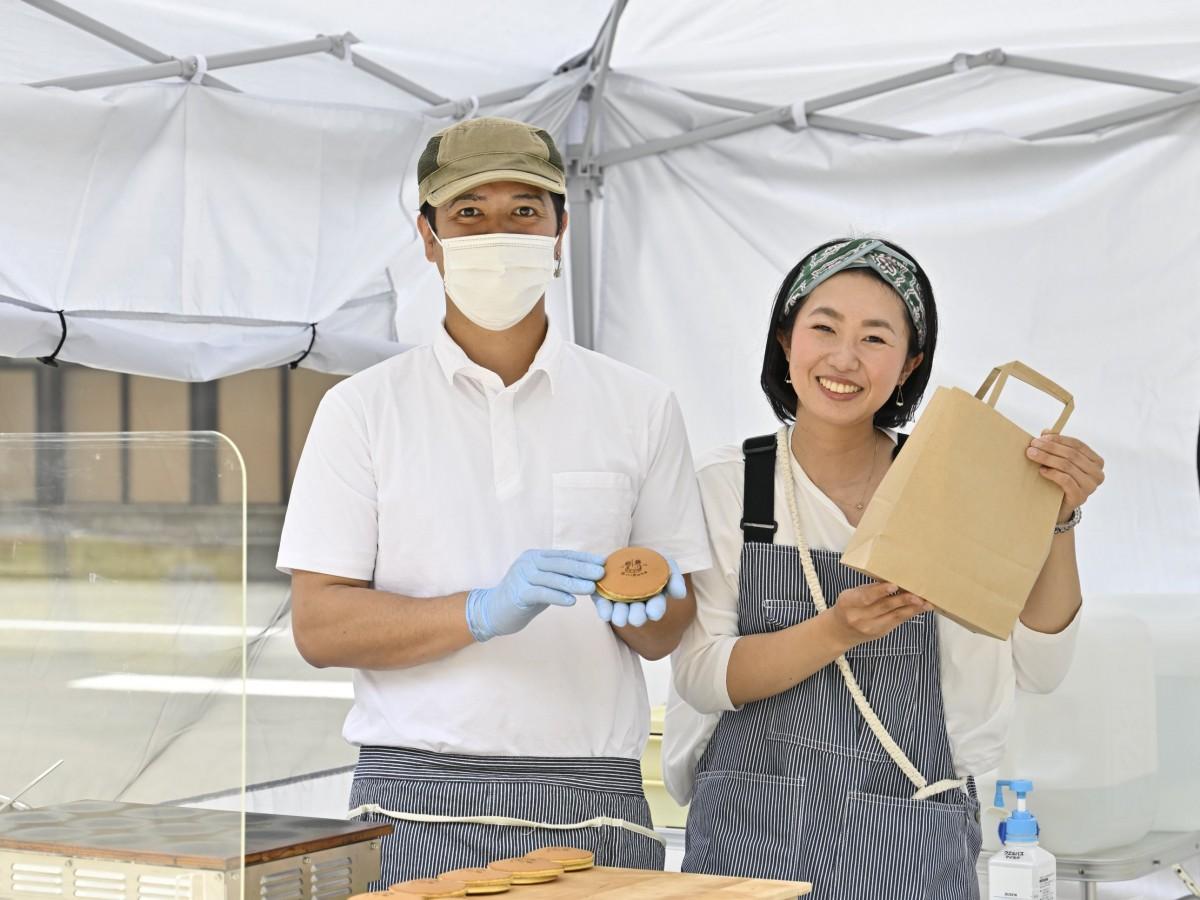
x=870, y=475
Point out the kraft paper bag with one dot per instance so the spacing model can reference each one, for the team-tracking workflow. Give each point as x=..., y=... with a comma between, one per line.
x=963, y=518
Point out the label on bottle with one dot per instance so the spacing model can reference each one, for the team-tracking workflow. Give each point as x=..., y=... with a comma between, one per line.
x=1013, y=876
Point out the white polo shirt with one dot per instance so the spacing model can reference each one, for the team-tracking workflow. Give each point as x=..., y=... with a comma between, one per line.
x=427, y=476
x=979, y=673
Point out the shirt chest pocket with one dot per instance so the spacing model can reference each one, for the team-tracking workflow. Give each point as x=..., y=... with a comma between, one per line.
x=593, y=511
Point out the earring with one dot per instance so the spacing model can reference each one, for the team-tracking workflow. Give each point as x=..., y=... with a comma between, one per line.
x=787, y=379
x=899, y=395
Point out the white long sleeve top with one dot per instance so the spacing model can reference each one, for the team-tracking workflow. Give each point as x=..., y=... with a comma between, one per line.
x=979, y=673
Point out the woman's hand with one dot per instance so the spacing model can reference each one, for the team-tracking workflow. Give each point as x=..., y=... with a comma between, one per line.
x=865, y=613
x=1072, y=465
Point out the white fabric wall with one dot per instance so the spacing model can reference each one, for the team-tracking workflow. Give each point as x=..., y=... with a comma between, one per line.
x=193, y=233
x=1076, y=256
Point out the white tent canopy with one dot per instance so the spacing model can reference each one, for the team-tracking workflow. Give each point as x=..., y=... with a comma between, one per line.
x=226, y=217
x=193, y=233
x=191, y=230
x=252, y=214
x=255, y=214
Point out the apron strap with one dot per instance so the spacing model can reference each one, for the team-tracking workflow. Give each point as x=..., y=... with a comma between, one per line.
x=758, y=497
x=598, y=822
x=924, y=790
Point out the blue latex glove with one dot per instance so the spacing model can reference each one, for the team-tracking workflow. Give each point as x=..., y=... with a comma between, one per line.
x=538, y=578
x=637, y=614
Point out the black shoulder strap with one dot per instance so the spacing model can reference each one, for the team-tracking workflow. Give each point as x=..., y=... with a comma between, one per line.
x=758, y=497
x=901, y=437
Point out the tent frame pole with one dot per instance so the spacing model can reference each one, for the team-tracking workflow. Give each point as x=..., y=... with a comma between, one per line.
x=459, y=108
x=1092, y=73
x=584, y=182
x=443, y=106
x=1120, y=117
x=961, y=62
x=150, y=54
x=187, y=67
x=815, y=120
x=600, y=70
x=396, y=80
x=760, y=114
x=111, y=35
x=580, y=192
x=787, y=115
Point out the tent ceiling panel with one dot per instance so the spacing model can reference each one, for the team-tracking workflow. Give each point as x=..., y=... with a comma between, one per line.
x=776, y=52
x=35, y=46
x=996, y=98
x=764, y=55
x=456, y=49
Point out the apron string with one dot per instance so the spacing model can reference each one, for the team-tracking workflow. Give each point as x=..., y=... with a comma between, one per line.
x=598, y=822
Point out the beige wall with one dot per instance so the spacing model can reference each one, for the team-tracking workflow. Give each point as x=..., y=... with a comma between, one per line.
x=18, y=415
x=158, y=475
x=92, y=402
x=250, y=411
x=249, y=414
x=307, y=389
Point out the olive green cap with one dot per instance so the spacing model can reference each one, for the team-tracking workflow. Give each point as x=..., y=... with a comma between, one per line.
x=477, y=151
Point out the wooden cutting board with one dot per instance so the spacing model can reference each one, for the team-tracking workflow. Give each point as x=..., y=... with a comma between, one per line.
x=638, y=884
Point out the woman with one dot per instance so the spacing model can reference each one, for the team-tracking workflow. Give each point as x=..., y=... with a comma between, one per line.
x=794, y=783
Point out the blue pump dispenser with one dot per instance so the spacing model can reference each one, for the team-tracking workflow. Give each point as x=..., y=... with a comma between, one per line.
x=1021, y=827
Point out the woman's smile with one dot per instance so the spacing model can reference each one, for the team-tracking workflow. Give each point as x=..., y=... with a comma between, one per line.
x=838, y=390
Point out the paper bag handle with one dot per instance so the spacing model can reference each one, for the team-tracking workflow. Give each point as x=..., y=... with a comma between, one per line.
x=1022, y=372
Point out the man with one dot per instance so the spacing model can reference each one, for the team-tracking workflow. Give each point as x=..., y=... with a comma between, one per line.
x=450, y=505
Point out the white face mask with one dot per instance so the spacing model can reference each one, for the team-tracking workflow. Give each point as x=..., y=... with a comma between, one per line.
x=496, y=279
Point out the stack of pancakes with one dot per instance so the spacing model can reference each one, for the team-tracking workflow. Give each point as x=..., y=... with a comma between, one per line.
x=538, y=867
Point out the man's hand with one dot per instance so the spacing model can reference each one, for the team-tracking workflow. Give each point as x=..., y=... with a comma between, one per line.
x=538, y=578
x=639, y=613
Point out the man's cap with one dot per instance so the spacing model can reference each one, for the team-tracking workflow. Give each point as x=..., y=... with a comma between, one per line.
x=478, y=151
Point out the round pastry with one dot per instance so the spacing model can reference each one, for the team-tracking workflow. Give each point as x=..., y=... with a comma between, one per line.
x=480, y=881
x=528, y=871
x=427, y=888
x=633, y=574
x=572, y=859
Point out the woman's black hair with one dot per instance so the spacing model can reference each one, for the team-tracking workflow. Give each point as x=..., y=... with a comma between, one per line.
x=779, y=392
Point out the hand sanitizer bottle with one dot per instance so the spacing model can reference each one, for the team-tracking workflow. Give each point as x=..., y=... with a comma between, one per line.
x=1020, y=869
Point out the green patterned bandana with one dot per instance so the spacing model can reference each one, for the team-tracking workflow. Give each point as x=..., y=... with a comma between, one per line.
x=862, y=253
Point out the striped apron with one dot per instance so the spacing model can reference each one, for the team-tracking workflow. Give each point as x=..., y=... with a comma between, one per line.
x=539, y=789
x=796, y=786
